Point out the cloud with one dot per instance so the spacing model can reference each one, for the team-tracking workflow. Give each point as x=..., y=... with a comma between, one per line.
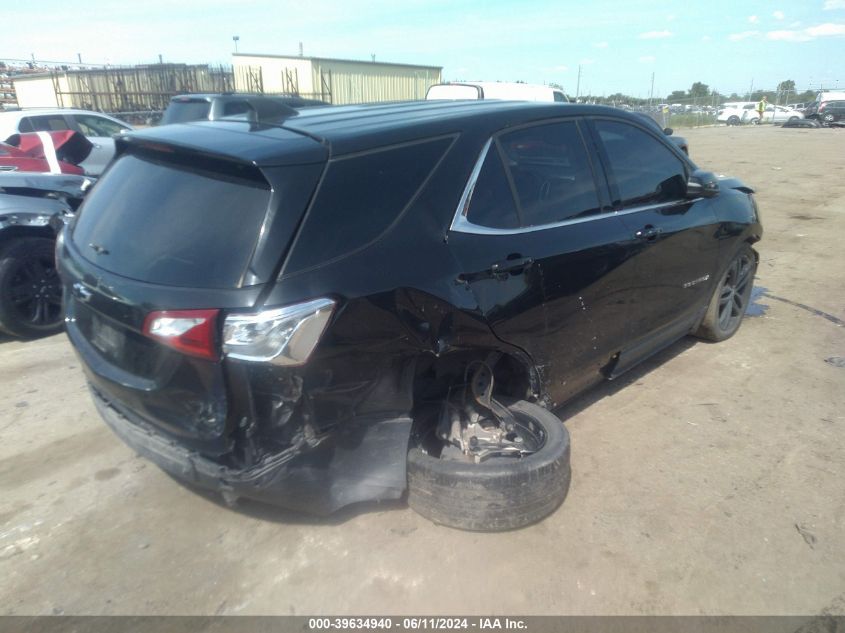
x=829, y=5
x=587, y=62
x=736, y=37
x=655, y=35
x=778, y=15
x=828, y=29
x=559, y=69
x=706, y=38
x=753, y=19
x=647, y=59
x=671, y=17
x=600, y=44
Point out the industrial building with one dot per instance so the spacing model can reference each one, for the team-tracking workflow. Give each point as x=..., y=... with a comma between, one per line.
x=337, y=81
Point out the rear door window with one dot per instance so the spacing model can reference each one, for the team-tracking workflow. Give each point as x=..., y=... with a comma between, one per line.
x=551, y=173
x=644, y=170
x=92, y=125
x=173, y=225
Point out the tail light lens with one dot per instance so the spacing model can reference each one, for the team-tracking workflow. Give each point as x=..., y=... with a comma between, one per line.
x=282, y=336
x=191, y=332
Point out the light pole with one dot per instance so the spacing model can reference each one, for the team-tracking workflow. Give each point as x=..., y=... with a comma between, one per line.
x=235, y=39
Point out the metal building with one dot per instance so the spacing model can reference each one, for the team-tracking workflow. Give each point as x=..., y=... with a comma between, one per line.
x=337, y=81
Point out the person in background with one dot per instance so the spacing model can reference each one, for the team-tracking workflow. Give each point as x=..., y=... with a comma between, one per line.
x=761, y=107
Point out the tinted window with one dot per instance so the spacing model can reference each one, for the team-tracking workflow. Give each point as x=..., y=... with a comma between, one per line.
x=235, y=107
x=168, y=225
x=48, y=123
x=551, y=173
x=184, y=111
x=359, y=198
x=559, y=97
x=97, y=125
x=645, y=170
x=492, y=204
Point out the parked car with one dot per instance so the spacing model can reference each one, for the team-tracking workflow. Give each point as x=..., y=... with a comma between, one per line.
x=736, y=113
x=342, y=304
x=829, y=108
x=32, y=208
x=98, y=128
x=198, y=107
x=495, y=90
x=46, y=152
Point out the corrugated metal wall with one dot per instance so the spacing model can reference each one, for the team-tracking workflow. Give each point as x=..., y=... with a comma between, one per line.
x=367, y=82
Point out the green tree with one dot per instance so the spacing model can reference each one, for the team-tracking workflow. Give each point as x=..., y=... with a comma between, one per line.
x=677, y=95
x=787, y=86
x=699, y=90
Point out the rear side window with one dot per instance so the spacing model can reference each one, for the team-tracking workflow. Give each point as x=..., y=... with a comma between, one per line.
x=171, y=225
x=97, y=125
x=644, y=169
x=360, y=197
x=235, y=107
x=47, y=123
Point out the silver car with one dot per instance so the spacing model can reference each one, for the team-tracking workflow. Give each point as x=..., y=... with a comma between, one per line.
x=97, y=128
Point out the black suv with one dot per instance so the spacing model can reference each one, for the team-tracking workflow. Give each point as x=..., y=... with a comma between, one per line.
x=198, y=107
x=342, y=304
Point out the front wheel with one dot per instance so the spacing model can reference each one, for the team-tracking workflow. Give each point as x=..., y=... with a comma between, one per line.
x=755, y=121
x=793, y=119
x=30, y=290
x=499, y=493
x=828, y=117
x=734, y=120
x=730, y=299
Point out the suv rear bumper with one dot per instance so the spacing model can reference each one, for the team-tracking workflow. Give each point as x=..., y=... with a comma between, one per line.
x=365, y=461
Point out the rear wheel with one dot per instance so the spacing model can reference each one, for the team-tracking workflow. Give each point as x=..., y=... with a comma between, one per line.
x=828, y=117
x=733, y=120
x=30, y=291
x=502, y=492
x=730, y=299
x=755, y=121
x=793, y=119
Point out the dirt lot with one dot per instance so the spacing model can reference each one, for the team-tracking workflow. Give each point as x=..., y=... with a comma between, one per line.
x=709, y=480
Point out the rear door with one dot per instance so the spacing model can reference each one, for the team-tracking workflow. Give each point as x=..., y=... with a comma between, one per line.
x=542, y=255
x=675, y=245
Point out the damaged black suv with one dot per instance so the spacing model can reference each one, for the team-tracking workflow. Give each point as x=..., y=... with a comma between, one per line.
x=342, y=305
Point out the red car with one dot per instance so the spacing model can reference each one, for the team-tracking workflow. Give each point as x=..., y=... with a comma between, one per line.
x=55, y=152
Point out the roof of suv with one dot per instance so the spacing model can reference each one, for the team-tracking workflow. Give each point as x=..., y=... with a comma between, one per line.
x=347, y=129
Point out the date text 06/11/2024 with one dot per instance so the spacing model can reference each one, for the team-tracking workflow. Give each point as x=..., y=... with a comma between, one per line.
x=414, y=624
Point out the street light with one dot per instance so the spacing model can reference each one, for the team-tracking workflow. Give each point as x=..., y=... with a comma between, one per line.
x=235, y=39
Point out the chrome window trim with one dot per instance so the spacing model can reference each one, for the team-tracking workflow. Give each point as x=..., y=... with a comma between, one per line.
x=461, y=224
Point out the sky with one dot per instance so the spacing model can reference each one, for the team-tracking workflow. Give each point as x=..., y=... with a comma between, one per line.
x=618, y=45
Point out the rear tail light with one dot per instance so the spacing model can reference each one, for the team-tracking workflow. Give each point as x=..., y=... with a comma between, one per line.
x=822, y=105
x=282, y=336
x=191, y=332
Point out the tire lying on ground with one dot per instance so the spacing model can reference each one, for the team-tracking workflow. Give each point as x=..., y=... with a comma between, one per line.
x=500, y=493
x=30, y=292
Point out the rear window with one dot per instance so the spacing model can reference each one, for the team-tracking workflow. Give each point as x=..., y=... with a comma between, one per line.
x=185, y=111
x=172, y=225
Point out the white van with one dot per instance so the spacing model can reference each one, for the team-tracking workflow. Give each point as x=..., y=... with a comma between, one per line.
x=496, y=90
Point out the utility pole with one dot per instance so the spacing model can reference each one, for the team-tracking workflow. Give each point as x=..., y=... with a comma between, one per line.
x=235, y=39
x=651, y=94
x=79, y=57
x=751, y=90
x=578, y=85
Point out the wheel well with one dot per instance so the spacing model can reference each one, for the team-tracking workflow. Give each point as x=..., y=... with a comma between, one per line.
x=12, y=233
x=436, y=376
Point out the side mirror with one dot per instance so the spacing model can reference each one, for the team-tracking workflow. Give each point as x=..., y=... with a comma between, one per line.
x=702, y=184
x=668, y=131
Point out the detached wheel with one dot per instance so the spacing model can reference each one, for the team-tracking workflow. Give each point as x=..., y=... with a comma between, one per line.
x=499, y=493
x=730, y=299
x=30, y=291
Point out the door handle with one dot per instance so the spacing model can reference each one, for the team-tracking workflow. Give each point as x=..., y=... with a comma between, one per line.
x=517, y=264
x=648, y=233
